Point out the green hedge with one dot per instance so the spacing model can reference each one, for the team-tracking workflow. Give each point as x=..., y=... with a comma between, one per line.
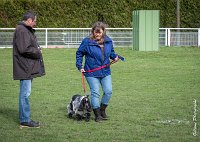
x=82, y=13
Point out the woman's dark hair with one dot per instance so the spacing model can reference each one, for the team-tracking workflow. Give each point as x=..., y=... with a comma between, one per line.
x=29, y=14
x=96, y=27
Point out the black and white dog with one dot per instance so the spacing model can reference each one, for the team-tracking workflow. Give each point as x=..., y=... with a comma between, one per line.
x=79, y=107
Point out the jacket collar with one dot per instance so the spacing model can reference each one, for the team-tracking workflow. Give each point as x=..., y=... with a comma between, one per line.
x=93, y=42
x=28, y=27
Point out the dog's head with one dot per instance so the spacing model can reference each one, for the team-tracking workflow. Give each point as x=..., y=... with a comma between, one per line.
x=85, y=103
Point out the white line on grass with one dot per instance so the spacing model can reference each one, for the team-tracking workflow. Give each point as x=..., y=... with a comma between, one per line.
x=195, y=118
x=173, y=121
x=176, y=121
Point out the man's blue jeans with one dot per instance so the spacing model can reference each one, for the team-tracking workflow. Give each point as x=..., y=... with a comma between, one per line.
x=24, y=106
x=94, y=83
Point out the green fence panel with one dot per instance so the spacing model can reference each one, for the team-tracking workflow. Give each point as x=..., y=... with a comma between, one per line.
x=146, y=30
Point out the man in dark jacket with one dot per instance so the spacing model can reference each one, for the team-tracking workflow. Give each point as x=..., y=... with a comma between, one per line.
x=27, y=64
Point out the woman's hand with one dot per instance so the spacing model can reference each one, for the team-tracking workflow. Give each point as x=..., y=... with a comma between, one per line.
x=82, y=70
x=115, y=60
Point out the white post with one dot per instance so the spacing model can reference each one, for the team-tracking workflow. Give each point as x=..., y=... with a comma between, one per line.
x=168, y=36
x=46, y=38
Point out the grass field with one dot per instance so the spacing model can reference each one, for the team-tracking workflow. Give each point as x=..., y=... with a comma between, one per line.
x=155, y=98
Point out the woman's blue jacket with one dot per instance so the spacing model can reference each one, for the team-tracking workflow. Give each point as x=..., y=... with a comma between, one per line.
x=94, y=57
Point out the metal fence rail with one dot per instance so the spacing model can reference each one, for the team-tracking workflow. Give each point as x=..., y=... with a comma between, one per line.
x=122, y=37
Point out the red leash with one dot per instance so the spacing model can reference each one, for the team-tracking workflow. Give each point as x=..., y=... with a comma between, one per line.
x=83, y=83
x=99, y=68
x=95, y=69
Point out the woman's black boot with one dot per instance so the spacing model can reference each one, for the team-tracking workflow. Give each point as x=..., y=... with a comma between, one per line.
x=103, y=111
x=97, y=113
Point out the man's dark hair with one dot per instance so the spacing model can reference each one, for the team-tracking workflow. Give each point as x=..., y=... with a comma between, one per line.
x=29, y=14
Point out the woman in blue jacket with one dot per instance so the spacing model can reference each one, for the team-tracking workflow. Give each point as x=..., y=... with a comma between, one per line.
x=98, y=50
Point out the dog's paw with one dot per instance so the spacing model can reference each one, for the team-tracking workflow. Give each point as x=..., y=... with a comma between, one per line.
x=78, y=117
x=70, y=115
x=87, y=119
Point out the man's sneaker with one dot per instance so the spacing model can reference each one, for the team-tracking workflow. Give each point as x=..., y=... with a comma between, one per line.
x=31, y=124
x=36, y=122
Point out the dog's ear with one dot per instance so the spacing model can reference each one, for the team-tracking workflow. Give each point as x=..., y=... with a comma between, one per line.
x=87, y=104
x=81, y=106
x=74, y=97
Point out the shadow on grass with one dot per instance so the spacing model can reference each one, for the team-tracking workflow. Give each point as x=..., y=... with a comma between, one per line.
x=10, y=114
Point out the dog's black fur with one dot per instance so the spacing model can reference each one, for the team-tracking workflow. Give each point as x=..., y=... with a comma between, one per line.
x=80, y=107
